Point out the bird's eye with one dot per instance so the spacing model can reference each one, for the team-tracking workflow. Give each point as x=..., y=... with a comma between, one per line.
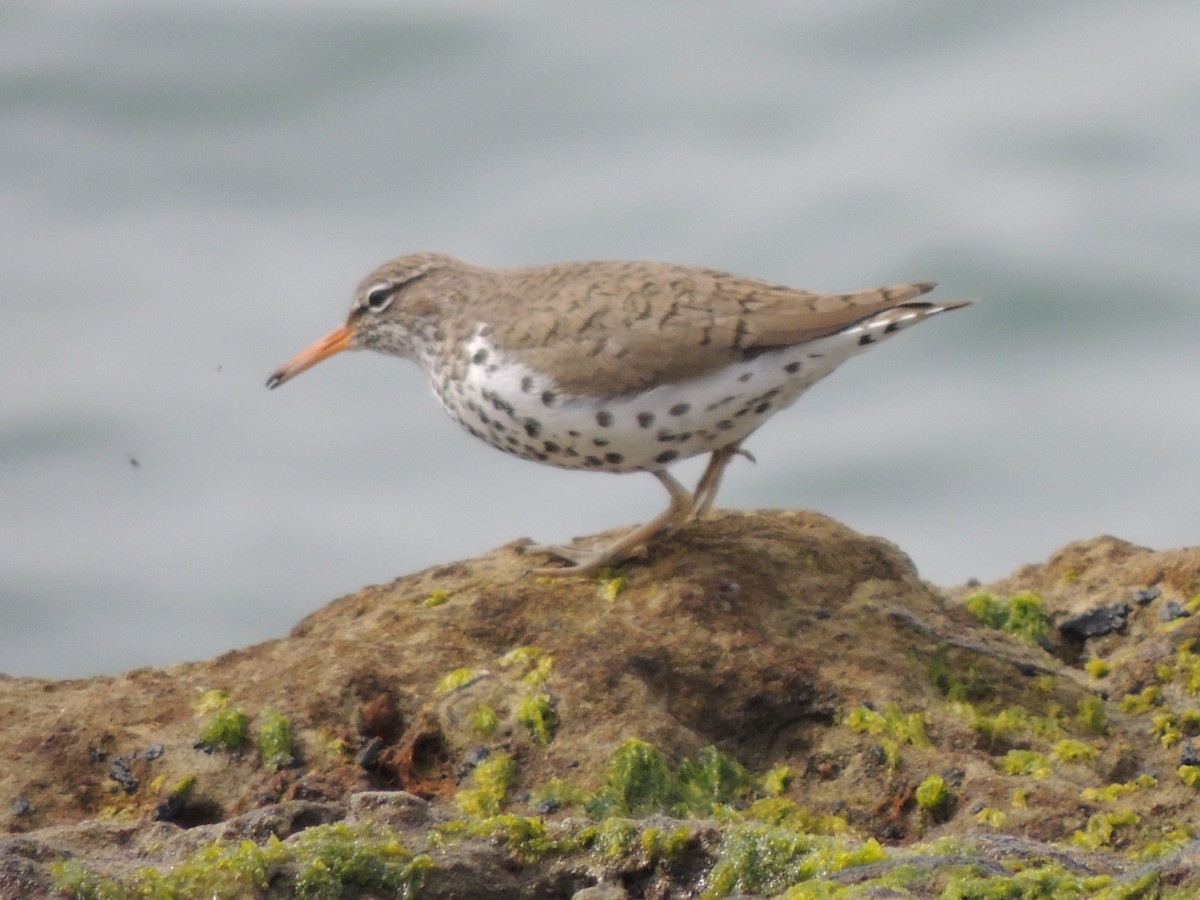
x=380, y=297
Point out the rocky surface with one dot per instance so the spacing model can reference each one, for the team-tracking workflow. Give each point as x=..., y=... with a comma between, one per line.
x=810, y=716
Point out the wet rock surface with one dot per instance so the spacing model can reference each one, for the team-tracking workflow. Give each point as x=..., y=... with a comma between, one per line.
x=811, y=710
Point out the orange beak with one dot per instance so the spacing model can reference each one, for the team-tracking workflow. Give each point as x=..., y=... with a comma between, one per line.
x=335, y=342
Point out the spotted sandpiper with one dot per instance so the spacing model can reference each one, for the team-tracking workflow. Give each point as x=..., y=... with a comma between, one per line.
x=612, y=366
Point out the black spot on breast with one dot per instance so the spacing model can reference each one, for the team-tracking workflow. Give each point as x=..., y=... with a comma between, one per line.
x=725, y=424
x=600, y=442
x=512, y=441
x=592, y=461
x=548, y=398
x=573, y=433
x=668, y=437
x=761, y=408
x=614, y=459
x=745, y=376
x=645, y=419
x=480, y=357
x=666, y=456
x=604, y=418
x=533, y=427
x=891, y=326
x=792, y=368
x=570, y=451
x=724, y=401
x=865, y=339
x=680, y=409
x=527, y=384
x=551, y=447
x=498, y=404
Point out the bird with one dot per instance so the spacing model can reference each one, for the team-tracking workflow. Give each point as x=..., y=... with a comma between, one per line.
x=613, y=366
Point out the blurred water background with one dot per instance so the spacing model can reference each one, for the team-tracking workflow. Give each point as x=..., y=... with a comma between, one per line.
x=191, y=190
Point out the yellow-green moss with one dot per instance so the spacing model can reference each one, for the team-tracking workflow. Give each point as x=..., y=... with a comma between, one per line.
x=611, y=586
x=758, y=859
x=1090, y=715
x=1166, y=728
x=437, y=598
x=211, y=701
x=325, y=861
x=784, y=813
x=172, y=808
x=492, y=779
x=1174, y=836
x=534, y=661
x=458, y=678
x=332, y=858
x=992, y=818
x=1021, y=615
x=537, y=714
x=1117, y=790
x=227, y=730
x=893, y=722
x=1142, y=703
x=935, y=797
x=776, y=781
x=1025, y=762
x=668, y=845
x=527, y=837
x=1069, y=750
x=484, y=721
x=1187, y=663
x=275, y=741
x=1045, y=882
x=1103, y=827
x=183, y=788
x=1097, y=668
x=712, y=778
x=998, y=726
x=1190, y=775
x=637, y=781
x=615, y=837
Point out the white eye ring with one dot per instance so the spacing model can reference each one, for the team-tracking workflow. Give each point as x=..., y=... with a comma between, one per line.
x=380, y=297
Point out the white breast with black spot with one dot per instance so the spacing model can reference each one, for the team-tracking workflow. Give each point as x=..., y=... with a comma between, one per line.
x=523, y=412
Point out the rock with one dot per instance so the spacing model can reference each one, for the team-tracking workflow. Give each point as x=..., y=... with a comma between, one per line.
x=1172, y=610
x=1096, y=622
x=790, y=685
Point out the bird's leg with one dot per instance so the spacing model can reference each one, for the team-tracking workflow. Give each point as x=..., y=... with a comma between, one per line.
x=587, y=561
x=706, y=490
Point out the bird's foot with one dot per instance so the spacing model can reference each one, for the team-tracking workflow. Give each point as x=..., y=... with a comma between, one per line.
x=635, y=543
x=585, y=560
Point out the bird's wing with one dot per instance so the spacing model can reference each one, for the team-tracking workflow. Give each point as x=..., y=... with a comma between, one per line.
x=613, y=329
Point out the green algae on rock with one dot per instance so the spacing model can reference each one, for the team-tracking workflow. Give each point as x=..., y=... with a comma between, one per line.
x=275, y=742
x=795, y=689
x=227, y=730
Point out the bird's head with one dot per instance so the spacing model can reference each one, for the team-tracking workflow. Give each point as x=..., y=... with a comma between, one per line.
x=395, y=306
